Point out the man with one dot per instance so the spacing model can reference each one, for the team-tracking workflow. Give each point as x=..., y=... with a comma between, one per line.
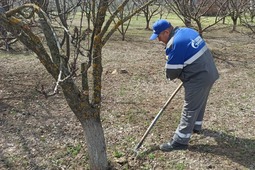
x=189, y=60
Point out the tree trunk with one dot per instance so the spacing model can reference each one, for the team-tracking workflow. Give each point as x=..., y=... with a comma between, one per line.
x=96, y=143
x=146, y=14
x=89, y=117
x=223, y=20
x=147, y=25
x=187, y=22
x=234, y=24
x=200, y=29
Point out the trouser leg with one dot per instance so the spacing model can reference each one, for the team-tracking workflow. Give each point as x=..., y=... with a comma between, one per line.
x=199, y=120
x=194, y=106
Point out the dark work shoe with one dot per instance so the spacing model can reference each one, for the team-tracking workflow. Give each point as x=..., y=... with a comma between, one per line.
x=170, y=146
x=197, y=131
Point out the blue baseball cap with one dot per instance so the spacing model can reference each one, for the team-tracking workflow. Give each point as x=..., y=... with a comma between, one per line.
x=159, y=26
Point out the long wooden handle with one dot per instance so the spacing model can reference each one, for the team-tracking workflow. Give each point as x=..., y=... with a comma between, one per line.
x=156, y=118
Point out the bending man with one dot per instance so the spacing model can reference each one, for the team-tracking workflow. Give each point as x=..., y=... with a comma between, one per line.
x=190, y=60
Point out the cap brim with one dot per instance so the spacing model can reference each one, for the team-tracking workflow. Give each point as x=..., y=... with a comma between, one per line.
x=153, y=36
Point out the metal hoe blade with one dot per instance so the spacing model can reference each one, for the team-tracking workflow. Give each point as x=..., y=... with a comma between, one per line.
x=156, y=118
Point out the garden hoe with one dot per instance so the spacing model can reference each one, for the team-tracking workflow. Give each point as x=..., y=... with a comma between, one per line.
x=155, y=119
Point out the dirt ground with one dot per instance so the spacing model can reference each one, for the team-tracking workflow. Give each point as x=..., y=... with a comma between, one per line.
x=39, y=133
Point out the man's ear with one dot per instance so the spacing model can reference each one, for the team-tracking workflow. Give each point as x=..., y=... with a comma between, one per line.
x=168, y=31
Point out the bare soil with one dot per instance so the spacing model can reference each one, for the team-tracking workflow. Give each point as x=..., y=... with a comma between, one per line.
x=40, y=133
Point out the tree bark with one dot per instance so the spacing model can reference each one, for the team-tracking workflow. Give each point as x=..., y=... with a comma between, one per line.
x=89, y=117
x=95, y=143
x=234, y=19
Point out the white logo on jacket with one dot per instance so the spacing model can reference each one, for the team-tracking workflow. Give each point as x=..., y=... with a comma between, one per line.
x=196, y=42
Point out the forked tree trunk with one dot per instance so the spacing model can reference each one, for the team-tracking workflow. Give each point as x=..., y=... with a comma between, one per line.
x=89, y=118
x=187, y=22
x=88, y=113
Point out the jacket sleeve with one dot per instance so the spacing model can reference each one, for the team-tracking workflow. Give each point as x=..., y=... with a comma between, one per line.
x=175, y=59
x=173, y=73
x=174, y=66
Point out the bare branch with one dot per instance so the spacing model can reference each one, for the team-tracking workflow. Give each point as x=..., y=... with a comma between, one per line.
x=109, y=34
x=110, y=20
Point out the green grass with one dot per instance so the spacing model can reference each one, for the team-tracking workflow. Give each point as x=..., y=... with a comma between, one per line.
x=74, y=150
x=151, y=156
x=118, y=154
x=180, y=166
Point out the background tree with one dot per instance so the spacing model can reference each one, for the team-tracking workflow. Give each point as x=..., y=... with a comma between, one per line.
x=190, y=11
x=251, y=10
x=85, y=99
x=149, y=11
x=248, y=16
x=87, y=8
x=183, y=9
x=3, y=33
x=236, y=9
x=120, y=16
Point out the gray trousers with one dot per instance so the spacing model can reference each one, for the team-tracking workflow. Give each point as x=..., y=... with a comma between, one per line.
x=196, y=95
x=198, y=79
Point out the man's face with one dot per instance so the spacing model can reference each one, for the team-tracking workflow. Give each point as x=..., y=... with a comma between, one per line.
x=163, y=36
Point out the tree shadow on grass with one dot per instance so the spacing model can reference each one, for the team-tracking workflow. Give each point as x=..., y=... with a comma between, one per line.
x=15, y=130
x=239, y=150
